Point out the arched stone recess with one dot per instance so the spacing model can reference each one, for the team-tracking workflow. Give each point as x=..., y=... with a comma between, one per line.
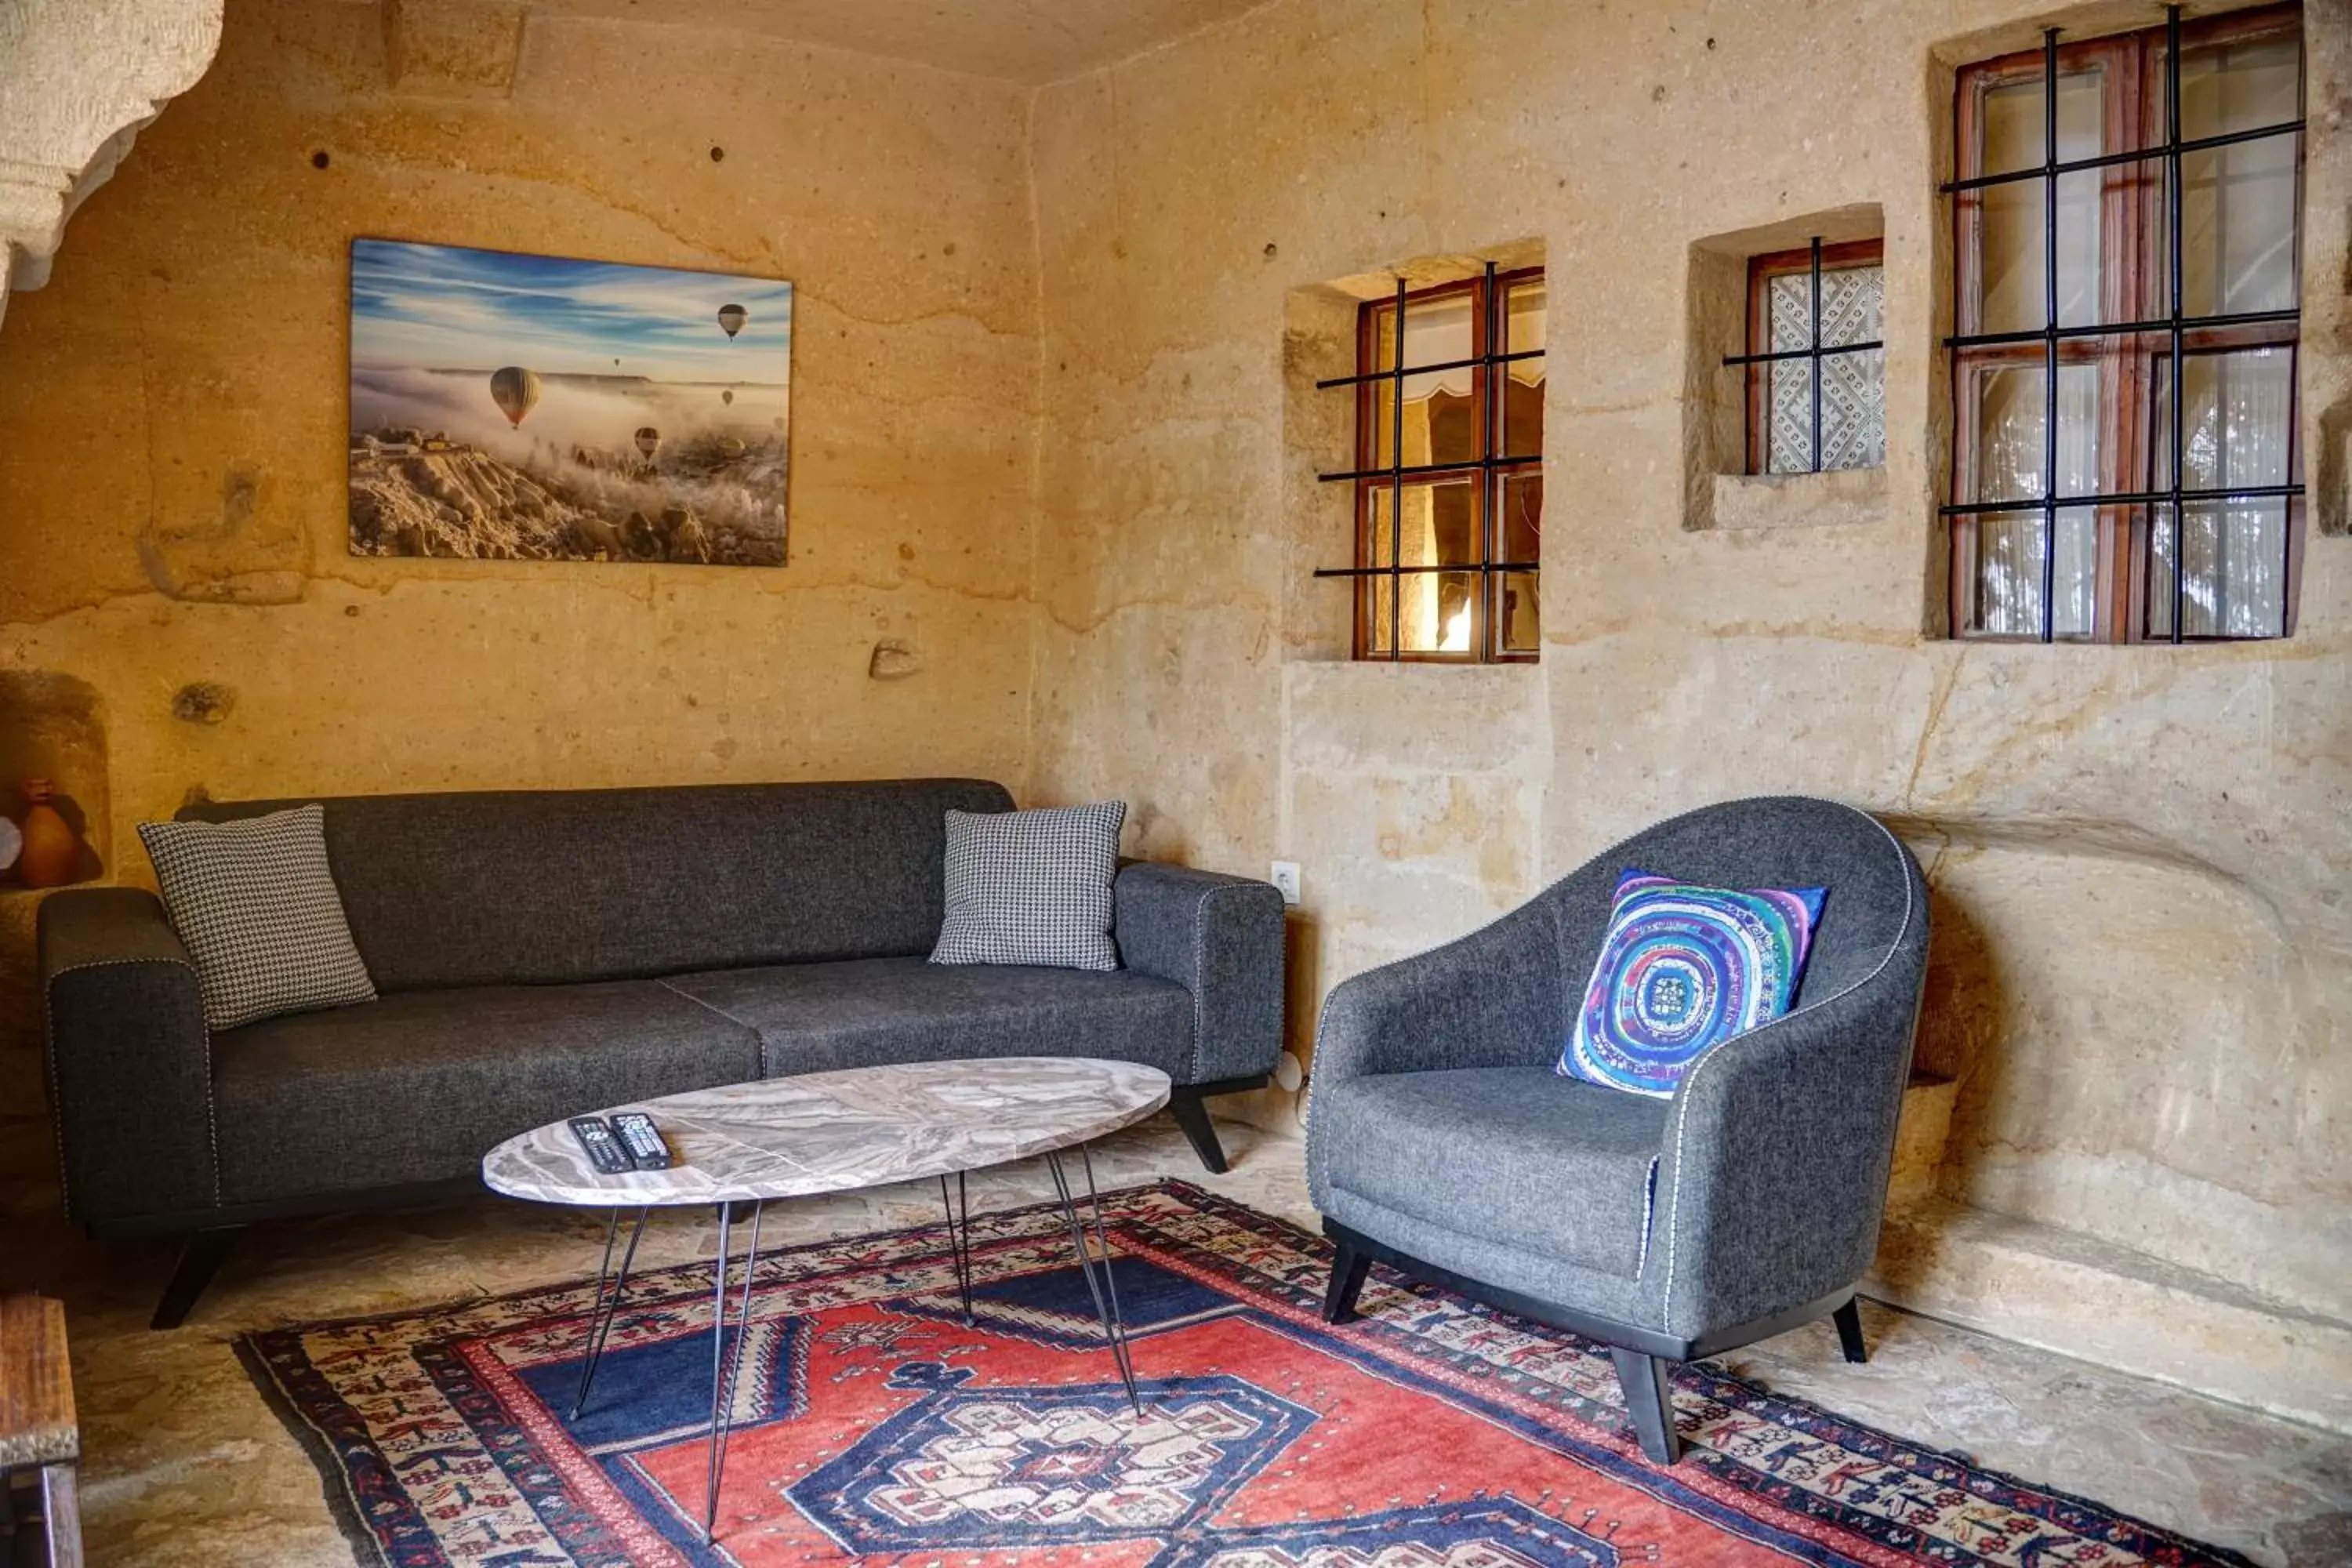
x=2150, y=1103
x=79, y=80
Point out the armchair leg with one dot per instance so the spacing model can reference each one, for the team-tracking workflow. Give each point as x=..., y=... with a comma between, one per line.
x=1349, y=1268
x=1848, y=1318
x=200, y=1255
x=1648, y=1384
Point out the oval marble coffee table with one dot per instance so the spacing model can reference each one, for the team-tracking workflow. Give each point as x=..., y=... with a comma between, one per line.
x=753, y=1144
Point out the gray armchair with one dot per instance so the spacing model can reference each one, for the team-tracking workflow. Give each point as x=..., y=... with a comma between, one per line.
x=1441, y=1143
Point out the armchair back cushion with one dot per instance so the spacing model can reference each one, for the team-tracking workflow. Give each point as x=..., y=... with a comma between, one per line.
x=556, y=886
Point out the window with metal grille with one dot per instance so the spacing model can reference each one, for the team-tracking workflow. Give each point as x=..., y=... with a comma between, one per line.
x=1816, y=367
x=2125, y=205
x=1448, y=471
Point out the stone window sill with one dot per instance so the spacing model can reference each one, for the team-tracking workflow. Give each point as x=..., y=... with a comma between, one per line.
x=1840, y=497
x=1432, y=670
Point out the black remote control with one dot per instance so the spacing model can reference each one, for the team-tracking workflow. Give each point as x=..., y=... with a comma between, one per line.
x=643, y=1140
x=604, y=1150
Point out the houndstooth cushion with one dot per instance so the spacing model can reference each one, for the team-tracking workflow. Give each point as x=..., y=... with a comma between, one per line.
x=1032, y=887
x=258, y=907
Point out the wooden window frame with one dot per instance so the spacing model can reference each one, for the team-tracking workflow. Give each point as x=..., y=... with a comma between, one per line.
x=2133, y=284
x=1761, y=270
x=1488, y=293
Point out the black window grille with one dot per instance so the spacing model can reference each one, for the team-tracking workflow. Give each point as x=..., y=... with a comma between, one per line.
x=1494, y=566
x=1812, y=357
x=2183, y=336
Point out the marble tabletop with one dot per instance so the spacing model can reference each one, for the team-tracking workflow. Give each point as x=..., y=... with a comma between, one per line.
x=828, y=1131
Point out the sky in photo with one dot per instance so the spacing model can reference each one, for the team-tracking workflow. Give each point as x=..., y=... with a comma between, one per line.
x=443, y=308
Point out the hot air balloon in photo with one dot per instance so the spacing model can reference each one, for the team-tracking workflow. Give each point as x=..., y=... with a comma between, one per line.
x=732, y=317
x=647, y=439
x=728, y=395
x=515, y=390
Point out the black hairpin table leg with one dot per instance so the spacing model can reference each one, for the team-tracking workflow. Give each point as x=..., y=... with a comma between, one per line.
x=723, y=1366
x=960, y=1239
x=600, y=1317
x=1106, y=1292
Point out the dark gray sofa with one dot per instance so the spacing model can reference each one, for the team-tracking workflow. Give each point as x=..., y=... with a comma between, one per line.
x=542, y=953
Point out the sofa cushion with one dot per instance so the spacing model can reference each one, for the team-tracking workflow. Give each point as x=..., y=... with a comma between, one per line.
x=256, y=908
x=816, y=1016
x=419, y=1087
x=1032, y=887
x=1518, y=1157
x=553, y=886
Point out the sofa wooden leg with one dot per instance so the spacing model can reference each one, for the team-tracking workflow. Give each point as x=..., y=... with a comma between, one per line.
x=200, y=1255
x=1848, y=1318
x=1349, y=1268
x=1192, y=1116
x=1648, y=1384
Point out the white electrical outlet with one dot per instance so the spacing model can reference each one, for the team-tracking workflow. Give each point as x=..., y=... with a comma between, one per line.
x=1286, y=877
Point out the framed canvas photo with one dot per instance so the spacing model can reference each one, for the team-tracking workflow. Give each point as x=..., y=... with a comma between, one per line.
x=531, y=408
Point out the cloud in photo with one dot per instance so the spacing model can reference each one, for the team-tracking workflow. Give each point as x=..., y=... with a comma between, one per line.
x=591, y=412
x=448, y=308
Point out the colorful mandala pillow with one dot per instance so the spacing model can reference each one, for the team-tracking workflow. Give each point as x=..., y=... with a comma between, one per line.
x=1681, y=969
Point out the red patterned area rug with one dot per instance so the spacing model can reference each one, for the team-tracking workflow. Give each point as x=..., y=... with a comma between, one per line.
x=872, y=1427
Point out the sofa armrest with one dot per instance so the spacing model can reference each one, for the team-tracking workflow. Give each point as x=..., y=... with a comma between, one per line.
x=1492, y=998
x=129, y=1060
x=1772, y=1177
x=1221, y=939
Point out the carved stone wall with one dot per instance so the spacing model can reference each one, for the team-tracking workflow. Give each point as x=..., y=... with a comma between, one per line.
x=2143, y=981
x=173, y=525
x=1054, y=522
x=79, y=80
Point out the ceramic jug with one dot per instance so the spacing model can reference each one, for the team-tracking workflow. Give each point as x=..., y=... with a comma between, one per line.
x=52, y=855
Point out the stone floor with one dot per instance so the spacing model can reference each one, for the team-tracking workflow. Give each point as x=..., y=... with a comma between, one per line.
x=187, y=1468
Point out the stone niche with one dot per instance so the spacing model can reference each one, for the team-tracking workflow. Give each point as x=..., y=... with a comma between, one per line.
x=1718, y=491
x=1318, y=436
x=50, y=729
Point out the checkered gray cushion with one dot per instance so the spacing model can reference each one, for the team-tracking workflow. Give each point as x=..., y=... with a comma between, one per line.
x=1032, y=887
x=255, y=903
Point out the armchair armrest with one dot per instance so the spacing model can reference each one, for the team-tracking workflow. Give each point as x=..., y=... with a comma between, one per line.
x=1492, y=998
x=1772, y=1179
x=129, y=1060
x=1219, y=937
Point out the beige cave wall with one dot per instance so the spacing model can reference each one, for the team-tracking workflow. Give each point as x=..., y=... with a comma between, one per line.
x=1053, y=520
x=2142, y=856
x=177, y=608
x=77, y=83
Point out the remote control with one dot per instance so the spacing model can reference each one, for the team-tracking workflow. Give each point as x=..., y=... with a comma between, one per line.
x=643, y=1140
x=603, y=1151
